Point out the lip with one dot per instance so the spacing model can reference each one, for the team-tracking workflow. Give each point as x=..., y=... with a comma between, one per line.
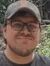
x=25, y=38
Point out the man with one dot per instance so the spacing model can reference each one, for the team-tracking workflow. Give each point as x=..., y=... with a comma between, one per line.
x=21, y=30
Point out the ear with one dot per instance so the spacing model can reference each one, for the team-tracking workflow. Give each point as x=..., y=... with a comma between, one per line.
x=3, y=28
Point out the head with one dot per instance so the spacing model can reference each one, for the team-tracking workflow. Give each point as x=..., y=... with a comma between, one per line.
x=22, y=30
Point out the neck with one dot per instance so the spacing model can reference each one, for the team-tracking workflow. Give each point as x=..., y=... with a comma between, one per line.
x=18, y=59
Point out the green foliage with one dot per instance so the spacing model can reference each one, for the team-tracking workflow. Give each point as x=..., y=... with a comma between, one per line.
x=44, y=46
x=3, y=6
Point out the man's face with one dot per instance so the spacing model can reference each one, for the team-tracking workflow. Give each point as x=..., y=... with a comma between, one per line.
x=22, y=39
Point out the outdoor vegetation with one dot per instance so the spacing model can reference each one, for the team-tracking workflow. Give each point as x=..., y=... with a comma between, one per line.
x=43, y=47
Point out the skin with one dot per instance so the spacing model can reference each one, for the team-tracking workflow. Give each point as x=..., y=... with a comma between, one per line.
x=21, y=44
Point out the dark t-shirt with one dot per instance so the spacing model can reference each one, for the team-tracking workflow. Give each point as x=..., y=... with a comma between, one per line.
x=38, y=61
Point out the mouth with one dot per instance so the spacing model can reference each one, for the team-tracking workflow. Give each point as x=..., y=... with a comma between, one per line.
x=25, y=38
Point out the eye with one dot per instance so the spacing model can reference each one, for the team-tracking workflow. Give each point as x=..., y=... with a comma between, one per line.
x=17, y=24
x=32, y=26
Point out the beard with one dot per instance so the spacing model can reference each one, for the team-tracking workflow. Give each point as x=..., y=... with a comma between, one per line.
x=22, y=53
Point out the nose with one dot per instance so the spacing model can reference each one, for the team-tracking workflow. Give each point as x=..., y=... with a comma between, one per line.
x=25, y=30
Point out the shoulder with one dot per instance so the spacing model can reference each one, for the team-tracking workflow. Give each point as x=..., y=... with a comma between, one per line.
x=3, y=60
x=1, y=56
x=43, y=60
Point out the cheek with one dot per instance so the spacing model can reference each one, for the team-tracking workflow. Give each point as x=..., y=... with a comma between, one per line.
x=36, y=38
x=10, y=34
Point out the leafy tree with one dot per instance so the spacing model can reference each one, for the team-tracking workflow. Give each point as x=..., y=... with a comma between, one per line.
x=43, y=47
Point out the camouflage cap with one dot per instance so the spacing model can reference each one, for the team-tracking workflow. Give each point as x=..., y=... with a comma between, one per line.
x=22, y=4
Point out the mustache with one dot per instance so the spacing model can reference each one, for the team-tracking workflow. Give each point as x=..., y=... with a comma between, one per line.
x=27, y=35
